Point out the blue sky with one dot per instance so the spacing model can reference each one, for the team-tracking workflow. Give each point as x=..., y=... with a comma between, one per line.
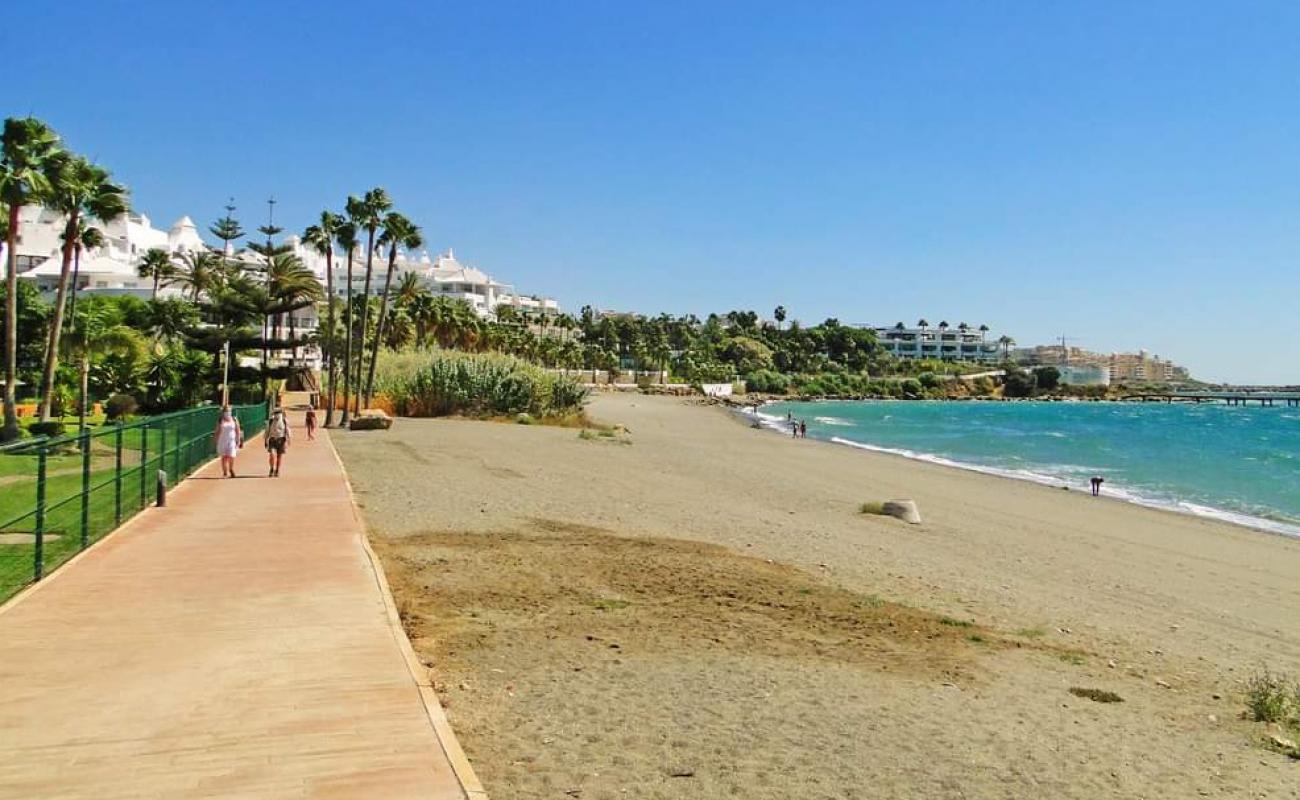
x=1122, y=173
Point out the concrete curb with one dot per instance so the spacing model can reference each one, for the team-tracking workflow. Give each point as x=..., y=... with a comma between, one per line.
x=420, y=674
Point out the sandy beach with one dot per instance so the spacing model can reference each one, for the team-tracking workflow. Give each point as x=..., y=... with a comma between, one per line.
x=697, y=609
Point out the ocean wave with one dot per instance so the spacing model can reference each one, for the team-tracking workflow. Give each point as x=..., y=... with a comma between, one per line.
x=835, y=422
x=1054, y=479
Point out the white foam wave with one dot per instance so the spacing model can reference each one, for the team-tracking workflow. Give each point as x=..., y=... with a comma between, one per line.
x=1054, y=478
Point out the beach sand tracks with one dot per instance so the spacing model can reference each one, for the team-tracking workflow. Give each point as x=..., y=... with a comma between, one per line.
x=574, y=582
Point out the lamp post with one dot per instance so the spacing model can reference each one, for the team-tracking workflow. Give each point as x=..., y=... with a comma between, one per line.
x=225, y=374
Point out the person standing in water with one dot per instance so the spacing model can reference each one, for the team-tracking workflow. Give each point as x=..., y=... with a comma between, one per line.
x=277, y=441
x=229, y=437
x=803, y=429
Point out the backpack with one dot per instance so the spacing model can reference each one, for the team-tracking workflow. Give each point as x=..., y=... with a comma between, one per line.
x=279, y=427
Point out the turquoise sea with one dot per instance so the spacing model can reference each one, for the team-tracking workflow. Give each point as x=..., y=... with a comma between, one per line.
x=1238, y=464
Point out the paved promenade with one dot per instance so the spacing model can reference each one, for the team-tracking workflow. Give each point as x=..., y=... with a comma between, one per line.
x=235, y=644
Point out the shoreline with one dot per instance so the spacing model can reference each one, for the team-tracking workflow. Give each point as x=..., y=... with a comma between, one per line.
x=651, y=579
x=1117, y=493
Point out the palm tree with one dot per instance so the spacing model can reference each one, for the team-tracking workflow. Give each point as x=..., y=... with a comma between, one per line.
x=408, y=289
x=398, y=232
x=199, y=272
x=370, y=216
x=88, y=238
x=346, y=236
x=156, y=265
x=26, y=148
x=98, y=331
x=898, y=326
x=290, y=287
x=321, y=238
x=984, y=329
x=1006, y=342
x=779, y=315
x=77, y=188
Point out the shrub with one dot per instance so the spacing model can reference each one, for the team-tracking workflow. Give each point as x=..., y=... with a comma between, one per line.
x=1272, y=697
x=872, y=507
x=120, y=406
x=442, y=382
x=51, y=429
x=1096, y=695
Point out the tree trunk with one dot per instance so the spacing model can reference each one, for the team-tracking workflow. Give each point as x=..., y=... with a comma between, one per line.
x=56, y=325
x=379, y=326
x=76, y=275
x=365, y=309
x=10, y=430
x=327, y=341
x=347, y=353
x=156, y=277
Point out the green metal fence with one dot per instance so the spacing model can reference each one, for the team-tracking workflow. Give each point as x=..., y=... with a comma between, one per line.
x=59, y=496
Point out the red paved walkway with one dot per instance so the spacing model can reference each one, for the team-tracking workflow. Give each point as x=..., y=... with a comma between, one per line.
x=234, y=644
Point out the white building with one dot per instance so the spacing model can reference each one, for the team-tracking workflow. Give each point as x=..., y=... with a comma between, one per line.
x=942, y=342
x=445, y=276
x=111, y=268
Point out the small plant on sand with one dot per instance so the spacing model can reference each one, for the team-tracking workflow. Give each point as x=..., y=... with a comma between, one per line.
x=609, y=604
x=1075, y=657
x=976, y=638
x=1096, y=695
x=955, y=623
x=1273, y=697
x=586, y=434
x=872, y=507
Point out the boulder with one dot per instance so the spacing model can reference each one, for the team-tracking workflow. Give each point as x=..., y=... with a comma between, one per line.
x=905, y=510
x=371, y=419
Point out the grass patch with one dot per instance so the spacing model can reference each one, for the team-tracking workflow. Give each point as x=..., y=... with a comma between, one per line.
x=609, y=604
x=872, y=507
x=1096, y=695
x=976, y=638
x=1031, y=633
x=955, y=623
x=1075, y=657
x=1273, y=697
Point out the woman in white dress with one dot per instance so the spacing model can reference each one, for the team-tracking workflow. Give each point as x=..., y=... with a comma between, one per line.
x=229, y=438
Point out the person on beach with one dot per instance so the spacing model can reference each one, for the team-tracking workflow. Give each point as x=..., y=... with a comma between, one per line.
x=794, y=429
x=310, y=423
x=803, y=429
x=1096, y=482
x=277, y=441
x=229, y=437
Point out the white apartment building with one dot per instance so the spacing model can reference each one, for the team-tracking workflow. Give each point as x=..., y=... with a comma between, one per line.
x=444, y=275
x=941, y=341
x=111, y=268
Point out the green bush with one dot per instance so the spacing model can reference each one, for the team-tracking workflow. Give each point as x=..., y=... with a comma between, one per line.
x=51, y=429
x=120, y=406
x=443, y=382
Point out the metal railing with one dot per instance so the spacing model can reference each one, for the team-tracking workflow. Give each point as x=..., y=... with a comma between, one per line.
x=60, y=495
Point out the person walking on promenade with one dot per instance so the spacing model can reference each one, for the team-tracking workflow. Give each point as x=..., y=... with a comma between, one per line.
x=310, y=423
x=277, y=441
x=229, y=438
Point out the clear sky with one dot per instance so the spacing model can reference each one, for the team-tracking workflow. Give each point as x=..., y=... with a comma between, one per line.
x=1125, y=174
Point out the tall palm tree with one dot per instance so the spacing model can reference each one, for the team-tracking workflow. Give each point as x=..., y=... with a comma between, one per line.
x=156, y=265
x=88, y=238
x=984, y=330
x=398, y=232
x=77, y=188
x=369, y=217
x=346, y=236
x=26, y=147
x=321, y=238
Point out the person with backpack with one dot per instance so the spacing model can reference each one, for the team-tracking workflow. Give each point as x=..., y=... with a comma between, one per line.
x=277, y=440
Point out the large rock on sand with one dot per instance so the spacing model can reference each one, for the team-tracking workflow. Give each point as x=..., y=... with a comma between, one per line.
x=371, y=419
x=905, y=510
